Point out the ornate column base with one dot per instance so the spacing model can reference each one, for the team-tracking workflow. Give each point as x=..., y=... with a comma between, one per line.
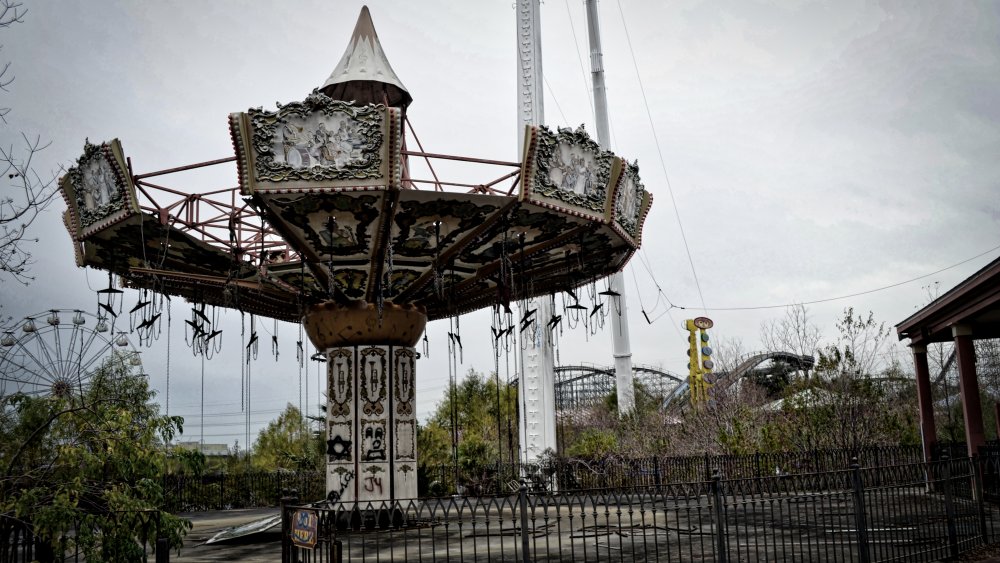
x=371, y=400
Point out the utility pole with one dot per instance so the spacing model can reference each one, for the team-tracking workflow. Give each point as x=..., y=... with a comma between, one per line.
x=619, y=308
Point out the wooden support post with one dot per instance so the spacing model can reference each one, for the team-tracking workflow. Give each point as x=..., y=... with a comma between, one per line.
x=972, y=409
x=925, y=402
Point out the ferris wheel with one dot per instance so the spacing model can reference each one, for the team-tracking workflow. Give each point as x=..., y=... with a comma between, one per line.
x=57, y=352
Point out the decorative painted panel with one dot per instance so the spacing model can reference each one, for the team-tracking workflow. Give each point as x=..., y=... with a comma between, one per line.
x=403, y=369
x=373, y=377
x=342, y=441
x=317, y=144
x=632, y=202
x=404, y=409
x=567, y=170
x=405, y=480
x=406, y=439
x=404, y=422
x=98, y=190
x=340, y=385
x=341, y=224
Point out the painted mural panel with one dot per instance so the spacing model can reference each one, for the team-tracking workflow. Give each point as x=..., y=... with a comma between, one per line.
x=568, y=170
x=340, y=383
x=404, y=422
x=98, y=190
x=632, y=202
x=317, y=144
x=373, y=379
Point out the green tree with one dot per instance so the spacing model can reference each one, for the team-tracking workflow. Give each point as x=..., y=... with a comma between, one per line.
x=288, y=443
x=486, y=426
x=86, y=471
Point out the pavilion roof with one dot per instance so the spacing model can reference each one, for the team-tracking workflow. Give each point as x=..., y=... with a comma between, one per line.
x=974, y=302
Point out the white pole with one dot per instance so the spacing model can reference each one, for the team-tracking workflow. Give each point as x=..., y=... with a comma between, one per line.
x=619, y=310
x=536, y=384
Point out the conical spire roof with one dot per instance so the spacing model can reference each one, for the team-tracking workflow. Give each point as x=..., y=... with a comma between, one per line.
x=363, y=73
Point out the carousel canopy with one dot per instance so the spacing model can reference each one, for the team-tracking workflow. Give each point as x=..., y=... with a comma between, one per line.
x=326, y=210
x=363, y=73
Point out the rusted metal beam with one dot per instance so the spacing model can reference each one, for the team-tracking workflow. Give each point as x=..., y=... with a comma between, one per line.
x=462, y=158
x=184, y=168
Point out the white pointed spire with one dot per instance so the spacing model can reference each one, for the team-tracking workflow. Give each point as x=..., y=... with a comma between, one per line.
x=363, y=73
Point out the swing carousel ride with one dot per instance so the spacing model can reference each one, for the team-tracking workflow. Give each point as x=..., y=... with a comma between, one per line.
x=329, y=227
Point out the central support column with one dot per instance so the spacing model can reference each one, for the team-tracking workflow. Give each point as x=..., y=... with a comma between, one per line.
x=371, y=401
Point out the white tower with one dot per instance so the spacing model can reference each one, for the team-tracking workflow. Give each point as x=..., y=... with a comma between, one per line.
x=536, y=384
x=619, y=310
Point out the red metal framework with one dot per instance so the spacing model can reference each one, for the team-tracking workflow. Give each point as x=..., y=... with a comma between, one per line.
x=225, y=219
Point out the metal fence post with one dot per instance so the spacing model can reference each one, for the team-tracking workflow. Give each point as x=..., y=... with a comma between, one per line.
x=162, y=544
x=721, y=551
x=860, y=520
x=949, y=507
x=522, y=501
x=287, y=549
x=977, y=469
x=162, y=551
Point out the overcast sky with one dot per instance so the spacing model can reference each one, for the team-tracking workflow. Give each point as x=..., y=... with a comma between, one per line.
x=814, y=149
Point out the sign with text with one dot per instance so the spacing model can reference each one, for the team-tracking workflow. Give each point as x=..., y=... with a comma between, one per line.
x=305, y=526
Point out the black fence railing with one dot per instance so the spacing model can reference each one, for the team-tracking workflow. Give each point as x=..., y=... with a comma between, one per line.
x=902, y=512
x=617, y=471
x=224, y=491
x=20, y=544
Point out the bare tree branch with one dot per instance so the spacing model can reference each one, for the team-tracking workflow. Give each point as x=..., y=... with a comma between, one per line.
x=26, y=193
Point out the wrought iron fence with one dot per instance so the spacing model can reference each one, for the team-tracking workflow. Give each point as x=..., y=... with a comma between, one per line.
x=19, y=543
x=618, y=471
x=224, y=491
x=904, y=512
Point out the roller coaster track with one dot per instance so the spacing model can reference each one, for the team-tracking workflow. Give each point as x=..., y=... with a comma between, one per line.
x=681, y=396
x=580, y=386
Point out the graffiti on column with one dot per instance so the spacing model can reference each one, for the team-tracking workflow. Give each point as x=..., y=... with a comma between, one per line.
x=373, y=440
x=373, y=484
x=338, y=449
x=340, y=440
x=346, y=476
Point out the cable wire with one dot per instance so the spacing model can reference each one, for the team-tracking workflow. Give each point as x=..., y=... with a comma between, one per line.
x=659, y=152
x=839, y=297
